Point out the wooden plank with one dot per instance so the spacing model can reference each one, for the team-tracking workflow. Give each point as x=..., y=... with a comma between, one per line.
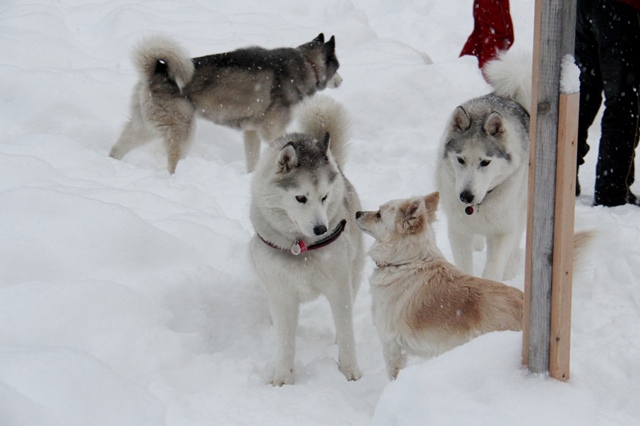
x=554, y=37
x=532, y=167
x=561, y=288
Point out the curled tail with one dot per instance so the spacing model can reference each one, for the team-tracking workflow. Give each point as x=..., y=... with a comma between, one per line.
x=159, y=51
x=321, y=114
x=581, y=242
x=510, y=76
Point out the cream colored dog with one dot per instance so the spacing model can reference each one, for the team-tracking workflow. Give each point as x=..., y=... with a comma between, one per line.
x=422, y=304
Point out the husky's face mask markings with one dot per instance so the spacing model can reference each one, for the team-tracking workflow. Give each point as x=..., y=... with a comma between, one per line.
x=477, y=155
x=306, y=186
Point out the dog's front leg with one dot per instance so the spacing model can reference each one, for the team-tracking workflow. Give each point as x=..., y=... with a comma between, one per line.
x=251, y=149
x=284, y=312
x=394, y=358
x=500, y=249
x=342, y=309
x=462, y=248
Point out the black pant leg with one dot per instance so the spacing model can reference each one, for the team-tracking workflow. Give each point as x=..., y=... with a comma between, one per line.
x=587, y=59
x=617, y=29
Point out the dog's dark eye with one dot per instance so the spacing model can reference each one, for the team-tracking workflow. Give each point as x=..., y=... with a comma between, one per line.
x=324, y=199
x=301, y=199
x=460, y=160
x=378, y=215
x=485, y=163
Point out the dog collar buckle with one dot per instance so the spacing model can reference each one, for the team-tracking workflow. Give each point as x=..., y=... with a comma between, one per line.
x=298, y=247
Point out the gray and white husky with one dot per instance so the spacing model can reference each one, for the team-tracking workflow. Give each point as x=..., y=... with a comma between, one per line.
x=482, y=170
x=307, y=243
x=251, y=89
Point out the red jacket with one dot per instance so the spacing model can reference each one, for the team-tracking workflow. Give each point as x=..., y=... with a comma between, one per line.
x=633, y=3
x=492, y=30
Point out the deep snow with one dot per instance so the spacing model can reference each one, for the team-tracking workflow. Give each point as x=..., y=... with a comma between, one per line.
x=127, y=296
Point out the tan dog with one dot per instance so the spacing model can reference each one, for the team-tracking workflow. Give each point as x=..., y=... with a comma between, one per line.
x=422, y=304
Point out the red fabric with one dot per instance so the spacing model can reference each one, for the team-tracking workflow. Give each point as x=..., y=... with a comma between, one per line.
x=492, y=30
x=633, y=3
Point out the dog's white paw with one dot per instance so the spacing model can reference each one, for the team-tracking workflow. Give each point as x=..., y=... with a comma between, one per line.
x=392, y=371
x=352, y=373
x=282, y=378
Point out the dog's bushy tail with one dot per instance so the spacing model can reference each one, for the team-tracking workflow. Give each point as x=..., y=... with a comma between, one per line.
x=510, y=76
x=159, y=53
x=581, y=242
x=321, y=114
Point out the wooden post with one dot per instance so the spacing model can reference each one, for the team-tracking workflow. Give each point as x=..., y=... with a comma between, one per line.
x=551, y=195
x=561, y=284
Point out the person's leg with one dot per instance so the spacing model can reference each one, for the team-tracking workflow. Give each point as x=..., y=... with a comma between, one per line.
x=586, y=54
x=618, y=29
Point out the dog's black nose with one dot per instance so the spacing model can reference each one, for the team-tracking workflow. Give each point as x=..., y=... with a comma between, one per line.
x=358, y=214
x=319, y=229
x=466, y=196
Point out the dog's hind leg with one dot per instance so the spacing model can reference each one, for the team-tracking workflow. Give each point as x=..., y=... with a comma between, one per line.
x=134, y=134
x=251, y=149
x=177, y=134
x=177, y=143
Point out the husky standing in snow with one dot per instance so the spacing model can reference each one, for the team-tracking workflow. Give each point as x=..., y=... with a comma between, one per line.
x=482, y=170
x=251, y=89
x=306, y=242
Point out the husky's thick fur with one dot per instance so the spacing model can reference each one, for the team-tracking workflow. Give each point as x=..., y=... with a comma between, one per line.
x=482, y=170
x=422, y=304
x=300, y=201
x=251, y=89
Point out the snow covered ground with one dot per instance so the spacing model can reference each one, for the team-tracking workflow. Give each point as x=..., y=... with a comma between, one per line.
x=127, y=296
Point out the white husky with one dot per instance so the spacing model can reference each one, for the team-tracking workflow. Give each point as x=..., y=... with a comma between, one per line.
x=482, y=170
x=306, y=241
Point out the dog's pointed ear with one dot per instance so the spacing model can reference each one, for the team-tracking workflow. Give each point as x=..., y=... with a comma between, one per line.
x=494, y=126
x=331, y=44
x=319, y=39
x=287, y=158
x=431, y=203
x=323, y=144
x=460, y=120
x=411, y=216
